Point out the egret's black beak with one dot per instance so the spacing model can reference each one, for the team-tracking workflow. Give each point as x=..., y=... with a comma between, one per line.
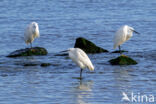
x=136, y=32
x=65, y=51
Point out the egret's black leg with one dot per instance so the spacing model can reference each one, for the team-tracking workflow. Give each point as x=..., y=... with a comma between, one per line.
x=80, y=82
x=120, y=49
x=81, y=74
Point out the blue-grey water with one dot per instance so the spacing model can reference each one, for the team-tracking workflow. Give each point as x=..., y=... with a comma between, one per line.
x=60, y=23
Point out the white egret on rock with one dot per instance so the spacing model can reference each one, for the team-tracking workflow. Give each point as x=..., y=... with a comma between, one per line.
x=81, y=59
x=123, y=34
x=31, y=32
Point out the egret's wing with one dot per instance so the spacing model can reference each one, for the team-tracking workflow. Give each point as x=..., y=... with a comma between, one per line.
x=129, y=32
x=82, y=56
x=28, y=31
x=35, y=30
x=28, y=35
x=119, y=37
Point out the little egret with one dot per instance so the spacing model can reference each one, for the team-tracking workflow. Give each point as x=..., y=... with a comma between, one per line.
x=81, y=59
x=123, y=34
x=31, y=32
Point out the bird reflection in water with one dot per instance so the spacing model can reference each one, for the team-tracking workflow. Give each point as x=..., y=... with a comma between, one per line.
x=83, y=92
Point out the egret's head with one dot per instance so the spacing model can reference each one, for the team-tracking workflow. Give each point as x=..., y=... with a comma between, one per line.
x=34, y=25
x=131, y=29
x=69, y=50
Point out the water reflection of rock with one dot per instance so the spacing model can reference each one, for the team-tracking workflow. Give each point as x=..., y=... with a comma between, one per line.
x=83, y=92
x=27, y=61
x=122, y=77
x=122, y=80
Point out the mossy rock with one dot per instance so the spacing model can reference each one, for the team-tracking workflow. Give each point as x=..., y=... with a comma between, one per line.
x=123, y=60
x=88, y=46
x=29, y=52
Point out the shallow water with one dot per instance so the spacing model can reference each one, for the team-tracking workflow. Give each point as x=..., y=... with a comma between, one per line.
x=60, y=23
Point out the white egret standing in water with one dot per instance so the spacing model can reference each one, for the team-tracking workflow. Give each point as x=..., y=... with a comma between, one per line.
x=81, y=59
x=123, y=34
x=31, y=32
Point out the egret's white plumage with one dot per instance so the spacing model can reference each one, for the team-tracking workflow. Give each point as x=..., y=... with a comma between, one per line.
x=123, y=34
x=31, y=32
x=80, y=58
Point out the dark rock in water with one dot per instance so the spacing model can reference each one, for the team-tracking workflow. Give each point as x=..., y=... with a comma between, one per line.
x=30, y=64
x=4, y=75
x=123, y=60
x=88, y=46
x=29, y=52
x=45, y=64
x=119, y=51
x=34, y=64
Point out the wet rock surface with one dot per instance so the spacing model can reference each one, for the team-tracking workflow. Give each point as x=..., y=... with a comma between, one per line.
x=119, y=51
x=122, y=60
x=35, y=51
x=88, y=46
x=45, y=64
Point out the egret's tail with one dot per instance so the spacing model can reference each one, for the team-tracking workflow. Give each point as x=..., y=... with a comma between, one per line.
x=114, y=46
x=91, y=67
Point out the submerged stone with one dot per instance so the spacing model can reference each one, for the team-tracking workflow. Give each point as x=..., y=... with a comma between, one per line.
x=29, y=52
x=122, y=60
x=45, y=64
x=88, y=46
x=119, y=51
x=30, y=64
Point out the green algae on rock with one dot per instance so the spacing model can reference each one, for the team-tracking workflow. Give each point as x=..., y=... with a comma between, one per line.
x=29, y=52
x=123, y=60
x=88, y=46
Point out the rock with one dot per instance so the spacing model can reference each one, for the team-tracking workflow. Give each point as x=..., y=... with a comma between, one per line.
x=88, y=46
x=30, y=64
x=34, y=64
x=119, y=51
x=4, y=75
x=29, y=52
x=45, y=64
x=122, y=60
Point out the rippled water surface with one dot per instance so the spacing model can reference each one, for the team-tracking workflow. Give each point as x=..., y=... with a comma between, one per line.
x=60, y=23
